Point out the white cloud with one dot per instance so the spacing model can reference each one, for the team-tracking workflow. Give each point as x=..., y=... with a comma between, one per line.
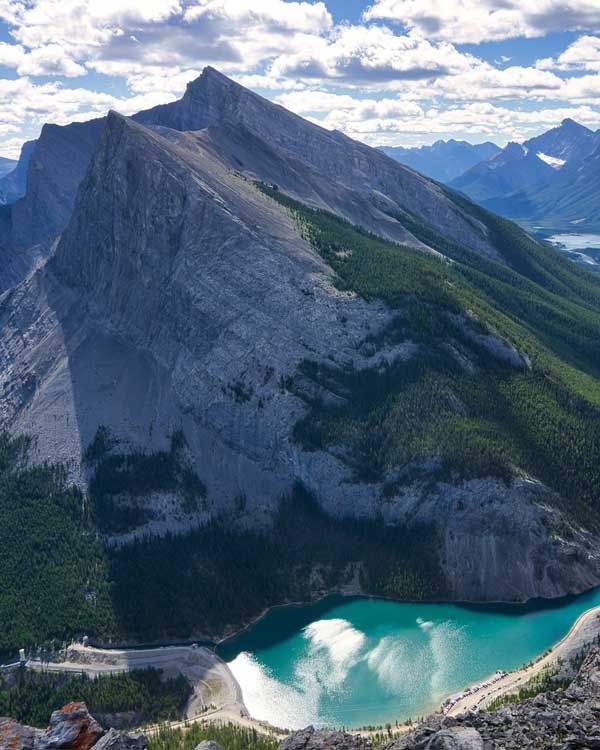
x=395, y=121
x=274, y=14
x=49, y=60
x=583, y=54
x=369, y=55
x=411, y=81
x=462, y=21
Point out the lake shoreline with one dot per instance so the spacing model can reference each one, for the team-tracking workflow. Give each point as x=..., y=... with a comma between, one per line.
x=564, y=649
x=567, y=622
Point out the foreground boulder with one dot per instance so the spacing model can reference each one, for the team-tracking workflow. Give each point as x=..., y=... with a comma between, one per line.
x=554, y=720
x=319, y=739
x=71, y=727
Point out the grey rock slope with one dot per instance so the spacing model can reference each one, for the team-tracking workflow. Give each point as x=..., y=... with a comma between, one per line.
x=58, y=163
x=192, y=286
x=14, y=182
x=375, y=189
x=323, y=168
x=6, y=166
x=443, y=160
x=38, y=210
x=181, y=297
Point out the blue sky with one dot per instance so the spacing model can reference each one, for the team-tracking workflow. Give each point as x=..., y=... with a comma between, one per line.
x=389, y=72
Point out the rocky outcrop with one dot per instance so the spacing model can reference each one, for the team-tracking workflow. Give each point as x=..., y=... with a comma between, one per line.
x=70, y=728
x=565, y=719
x=259, y=139
x=208, y=745
x=318, y=739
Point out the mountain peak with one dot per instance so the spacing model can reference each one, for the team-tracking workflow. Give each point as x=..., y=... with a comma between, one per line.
x=568, y=122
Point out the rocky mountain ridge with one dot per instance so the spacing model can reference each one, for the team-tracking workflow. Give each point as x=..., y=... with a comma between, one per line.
x=262, y=138
x=443, y=160
x=549, y=179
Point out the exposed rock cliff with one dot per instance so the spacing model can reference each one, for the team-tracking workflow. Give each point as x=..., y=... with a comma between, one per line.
x=261, y=139
x=70, y=728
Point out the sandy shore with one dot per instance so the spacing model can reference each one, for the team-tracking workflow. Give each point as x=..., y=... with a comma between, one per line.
x=583, y=631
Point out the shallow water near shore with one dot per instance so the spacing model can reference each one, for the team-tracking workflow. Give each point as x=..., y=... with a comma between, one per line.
x=360, y=661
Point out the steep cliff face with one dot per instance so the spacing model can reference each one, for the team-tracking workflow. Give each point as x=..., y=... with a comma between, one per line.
x=40, y=195
x=179, y=296
x=56, y=166
x=263, y=140
x=14, y=182
x=387, y=187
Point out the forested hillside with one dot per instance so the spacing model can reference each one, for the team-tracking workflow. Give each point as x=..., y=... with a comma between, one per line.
x=482, y=412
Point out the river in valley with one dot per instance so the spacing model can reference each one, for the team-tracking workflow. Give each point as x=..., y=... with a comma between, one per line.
x=582, y=248
x=359, y=661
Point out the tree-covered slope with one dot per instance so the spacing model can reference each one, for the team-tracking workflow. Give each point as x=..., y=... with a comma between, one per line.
x=505, y=375
x=53, y=582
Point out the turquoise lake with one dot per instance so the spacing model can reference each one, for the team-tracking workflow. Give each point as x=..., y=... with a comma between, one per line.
x=354, y=662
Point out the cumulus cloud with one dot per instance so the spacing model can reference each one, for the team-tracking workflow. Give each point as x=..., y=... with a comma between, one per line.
x=374, y=54
x=274, y=14
x=463, y=21
x=393, y=121
x=373, y=79
x=583, y=54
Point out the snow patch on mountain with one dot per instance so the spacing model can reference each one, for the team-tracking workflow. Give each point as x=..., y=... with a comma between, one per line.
x=553, y=161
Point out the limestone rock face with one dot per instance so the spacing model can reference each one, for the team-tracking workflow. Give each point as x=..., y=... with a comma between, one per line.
x=319, y=739
x=70, y=728
x=375, y=188
x=456, y=738
x=177, y=287
x=13, y=184
x=262, y=140
x=180, y=297
x=55, y=164
x=208, y=745
x=58, y=163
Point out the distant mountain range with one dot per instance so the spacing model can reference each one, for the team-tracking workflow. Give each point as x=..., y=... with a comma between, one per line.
x=443, y=160
x=552, y=180
x=6, y=165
